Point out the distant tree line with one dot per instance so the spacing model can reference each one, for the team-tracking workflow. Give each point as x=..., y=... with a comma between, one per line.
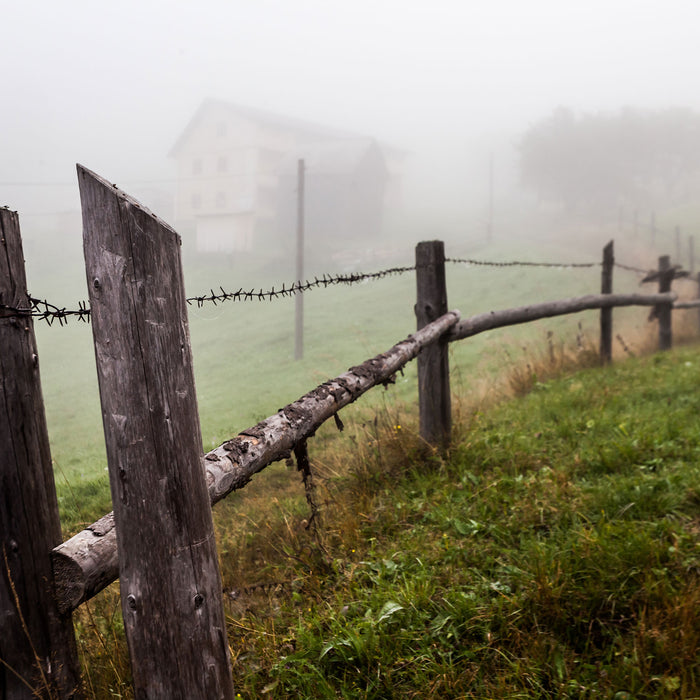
x=596, y=161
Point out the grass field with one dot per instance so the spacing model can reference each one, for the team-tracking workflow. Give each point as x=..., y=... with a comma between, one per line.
x=243, y=352
x=553, y=554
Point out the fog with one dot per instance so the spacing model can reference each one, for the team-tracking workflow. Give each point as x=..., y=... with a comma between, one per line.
x=452, y=84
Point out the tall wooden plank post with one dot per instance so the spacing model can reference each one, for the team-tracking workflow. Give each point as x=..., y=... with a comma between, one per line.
x=168, y=569
x=434, y=401
x=663, y=311
x=606, y=287
x=38, y=655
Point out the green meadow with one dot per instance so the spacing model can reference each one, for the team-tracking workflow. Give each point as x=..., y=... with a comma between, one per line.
x=243, y=351
x=553, y=553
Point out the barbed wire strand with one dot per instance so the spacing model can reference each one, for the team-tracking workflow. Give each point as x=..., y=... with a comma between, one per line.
x=518, y=263
x=43, y=310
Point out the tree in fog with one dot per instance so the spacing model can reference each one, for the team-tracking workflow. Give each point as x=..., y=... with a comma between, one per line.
x=593, y=161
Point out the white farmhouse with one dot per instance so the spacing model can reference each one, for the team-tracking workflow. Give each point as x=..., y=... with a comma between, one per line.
x=236, y=179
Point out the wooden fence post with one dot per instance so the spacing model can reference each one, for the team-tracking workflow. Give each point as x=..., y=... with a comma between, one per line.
x=606, y=287
x=434, y=401
x=169, y=576
x=38, y=655
x=663, y=311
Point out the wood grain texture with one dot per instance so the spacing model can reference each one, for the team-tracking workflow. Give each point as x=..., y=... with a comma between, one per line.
x=35, y=640
x=168, y=567
x=434, y=398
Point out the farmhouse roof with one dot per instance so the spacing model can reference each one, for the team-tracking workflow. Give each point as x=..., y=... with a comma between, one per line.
x=306, y=128
x=310, y=131
x=336, y=156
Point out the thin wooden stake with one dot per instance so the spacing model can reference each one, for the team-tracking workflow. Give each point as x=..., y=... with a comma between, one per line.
x=168, y=568
x=434, y=401
x=38, y=653
x=606, y=287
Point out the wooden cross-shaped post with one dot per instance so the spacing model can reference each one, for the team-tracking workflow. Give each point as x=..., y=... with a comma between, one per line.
x=665, y=275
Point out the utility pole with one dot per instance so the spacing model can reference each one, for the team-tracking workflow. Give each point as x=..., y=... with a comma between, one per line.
x=299, y=298
x=490, y=229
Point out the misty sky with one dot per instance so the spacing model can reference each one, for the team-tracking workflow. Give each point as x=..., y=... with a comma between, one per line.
x=112, y=84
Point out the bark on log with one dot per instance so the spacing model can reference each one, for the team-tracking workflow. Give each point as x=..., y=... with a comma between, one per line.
x=509, y=317
x=691, y=304
x=86, y=563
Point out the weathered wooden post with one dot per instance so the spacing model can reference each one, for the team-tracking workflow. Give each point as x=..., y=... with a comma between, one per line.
x=606, y=287
x=168, y=569
x=663, y=311
x=38, y=656
x=434, y=401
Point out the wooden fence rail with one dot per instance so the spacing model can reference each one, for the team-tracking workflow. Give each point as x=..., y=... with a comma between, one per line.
x=159, y=541
x=86, y=563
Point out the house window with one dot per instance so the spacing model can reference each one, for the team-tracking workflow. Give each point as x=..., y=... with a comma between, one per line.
x=197, y=166
x=220, y=200
x=196, y=200
x=222, y=164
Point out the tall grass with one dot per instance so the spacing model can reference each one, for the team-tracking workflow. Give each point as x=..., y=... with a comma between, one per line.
x=553, y=553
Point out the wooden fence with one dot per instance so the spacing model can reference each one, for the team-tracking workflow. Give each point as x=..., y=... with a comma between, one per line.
x=159, y=541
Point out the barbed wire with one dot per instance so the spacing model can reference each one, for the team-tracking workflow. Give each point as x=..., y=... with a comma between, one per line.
x=518, y=263
x=295, y=287
x=561, y=266
x=43, y=310
x=631, y=268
